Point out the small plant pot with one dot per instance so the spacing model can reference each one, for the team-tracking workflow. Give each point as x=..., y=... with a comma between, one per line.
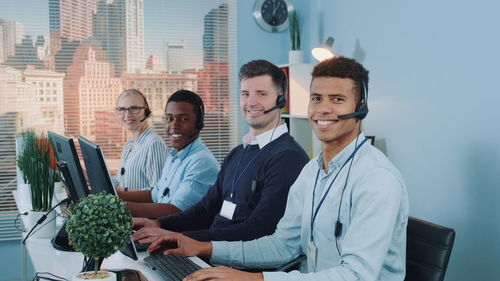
x=46, y=229
x=295, y=57
x=89, y=275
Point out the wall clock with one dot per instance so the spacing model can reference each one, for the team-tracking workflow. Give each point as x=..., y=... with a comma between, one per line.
x=272, y=15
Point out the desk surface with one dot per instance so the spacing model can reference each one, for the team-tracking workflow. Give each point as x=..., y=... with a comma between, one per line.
x=66, y=264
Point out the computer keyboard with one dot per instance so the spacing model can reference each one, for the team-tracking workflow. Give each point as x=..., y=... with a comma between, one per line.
x=171, y=267
x=141, y=247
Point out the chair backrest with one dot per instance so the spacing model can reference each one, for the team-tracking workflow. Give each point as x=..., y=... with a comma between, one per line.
x=428, y=250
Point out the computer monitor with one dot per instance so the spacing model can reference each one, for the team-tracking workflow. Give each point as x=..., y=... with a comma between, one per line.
x=100, y=180
x=97, y=171
x=65, y=152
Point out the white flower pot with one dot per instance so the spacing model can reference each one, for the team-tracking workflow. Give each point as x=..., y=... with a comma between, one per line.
x=295, y=57
x=46, y=229
x=111, y=276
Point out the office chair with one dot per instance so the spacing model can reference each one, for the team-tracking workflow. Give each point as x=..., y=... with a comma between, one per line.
x=428, y=250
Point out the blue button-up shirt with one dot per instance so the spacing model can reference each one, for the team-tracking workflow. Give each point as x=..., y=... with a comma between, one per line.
x=374, y=215
x=186, y=176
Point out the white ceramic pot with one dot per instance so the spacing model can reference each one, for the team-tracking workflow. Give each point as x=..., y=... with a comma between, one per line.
x=295, y=57
x=111, y=276
x=46, y=229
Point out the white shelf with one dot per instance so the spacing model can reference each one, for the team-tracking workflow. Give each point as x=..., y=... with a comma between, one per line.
x=299, y=127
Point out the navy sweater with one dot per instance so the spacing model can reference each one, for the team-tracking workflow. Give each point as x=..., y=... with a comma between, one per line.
x=257, y=212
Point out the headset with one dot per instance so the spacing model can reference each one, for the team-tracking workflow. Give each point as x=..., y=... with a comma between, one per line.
x=280, y=99
x=200, y=123
x=361, y=108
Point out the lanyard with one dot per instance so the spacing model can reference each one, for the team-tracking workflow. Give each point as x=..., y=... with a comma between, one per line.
x=236, y=180
x=167, y=189
x=315, y=213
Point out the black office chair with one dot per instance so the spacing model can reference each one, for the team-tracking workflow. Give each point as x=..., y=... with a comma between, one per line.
x=428, y=250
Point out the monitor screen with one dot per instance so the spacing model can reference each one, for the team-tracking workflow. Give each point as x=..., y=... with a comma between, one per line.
x=97, y=171
x=65, y=152
x=100, y=180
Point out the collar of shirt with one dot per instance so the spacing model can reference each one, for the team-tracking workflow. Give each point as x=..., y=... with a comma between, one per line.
x=144, y=134
x=265, y=138
x=183, y=153
x=336, y=162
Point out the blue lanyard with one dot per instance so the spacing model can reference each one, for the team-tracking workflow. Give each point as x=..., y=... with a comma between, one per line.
x=236, y=180
x=315, y=213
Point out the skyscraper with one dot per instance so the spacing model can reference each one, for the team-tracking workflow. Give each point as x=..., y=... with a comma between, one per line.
x=2, y=54
x=215, y=35
x=119, y=26
x=12, y=35
x=174, y=56
x=70, y=20
x=89, y=86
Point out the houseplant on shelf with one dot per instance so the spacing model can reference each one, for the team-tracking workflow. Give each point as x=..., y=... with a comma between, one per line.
x=295, y=55
x=36, y=162
x=99, y=226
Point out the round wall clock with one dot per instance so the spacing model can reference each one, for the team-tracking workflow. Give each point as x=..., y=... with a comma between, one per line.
x=272, y=15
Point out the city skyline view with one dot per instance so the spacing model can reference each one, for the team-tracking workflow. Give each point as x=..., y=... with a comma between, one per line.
x=63, y=64
x=160, y=25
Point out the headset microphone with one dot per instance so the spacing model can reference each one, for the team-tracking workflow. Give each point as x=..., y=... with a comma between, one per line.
x=270, y=109
x=357, y=114
x=280, y=103
x=362, y=108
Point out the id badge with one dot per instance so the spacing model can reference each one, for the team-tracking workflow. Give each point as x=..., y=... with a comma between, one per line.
x=312, y=255
x=227, y=210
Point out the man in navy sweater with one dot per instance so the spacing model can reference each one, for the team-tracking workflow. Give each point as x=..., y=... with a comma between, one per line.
x=249, y=196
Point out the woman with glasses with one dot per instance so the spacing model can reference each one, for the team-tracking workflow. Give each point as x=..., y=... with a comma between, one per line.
x=145, y=152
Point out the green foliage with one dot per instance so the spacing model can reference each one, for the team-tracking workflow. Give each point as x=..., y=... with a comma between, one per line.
x=99, y=225
x=34, y=160
x=293, y=19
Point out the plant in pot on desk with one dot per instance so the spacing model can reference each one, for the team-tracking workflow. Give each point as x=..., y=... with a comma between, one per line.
x=99, y=226
x=37, y=164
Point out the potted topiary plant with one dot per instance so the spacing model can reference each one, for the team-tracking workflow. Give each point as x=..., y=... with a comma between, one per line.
x=37, y=164
x=99, y=226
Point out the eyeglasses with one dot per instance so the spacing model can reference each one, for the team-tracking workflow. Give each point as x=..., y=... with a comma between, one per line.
x=131, y=110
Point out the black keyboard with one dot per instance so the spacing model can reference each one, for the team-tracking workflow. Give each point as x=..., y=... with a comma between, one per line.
x=139, y=247
x=171, y=267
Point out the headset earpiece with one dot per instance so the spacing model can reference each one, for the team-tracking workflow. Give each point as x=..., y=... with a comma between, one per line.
x=362, y=107
x=281, y=101
x=200, y=118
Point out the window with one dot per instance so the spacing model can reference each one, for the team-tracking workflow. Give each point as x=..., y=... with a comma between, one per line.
x=155, y=46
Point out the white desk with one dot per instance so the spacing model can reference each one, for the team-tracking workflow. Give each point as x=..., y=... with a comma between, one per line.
x=66, y=264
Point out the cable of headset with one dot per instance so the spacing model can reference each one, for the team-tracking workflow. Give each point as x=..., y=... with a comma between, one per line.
x=338, y=223
x=52, y=277
x=43, y=218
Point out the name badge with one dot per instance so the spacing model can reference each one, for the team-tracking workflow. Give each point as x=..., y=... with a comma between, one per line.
x=227, y=210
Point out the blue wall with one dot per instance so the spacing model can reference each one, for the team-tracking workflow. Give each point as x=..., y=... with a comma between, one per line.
x=433, y=99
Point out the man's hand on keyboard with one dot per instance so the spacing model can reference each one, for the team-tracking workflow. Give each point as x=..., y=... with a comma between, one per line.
x=138, y=223
x=148, y=234
x=223, y=273
x=186, y=246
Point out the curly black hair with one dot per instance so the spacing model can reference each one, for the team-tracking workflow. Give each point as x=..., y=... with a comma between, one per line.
x=343, y=67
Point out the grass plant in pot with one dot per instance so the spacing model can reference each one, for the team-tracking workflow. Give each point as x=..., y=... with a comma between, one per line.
x=295, y=55
x=37, y=164
x=99, y=226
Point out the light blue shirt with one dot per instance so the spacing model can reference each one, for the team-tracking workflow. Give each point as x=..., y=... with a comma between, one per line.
x=188, y=174
x=374, y=215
